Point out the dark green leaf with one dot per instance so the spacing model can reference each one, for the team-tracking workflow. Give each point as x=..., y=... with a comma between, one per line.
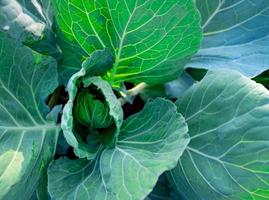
x=161, y=190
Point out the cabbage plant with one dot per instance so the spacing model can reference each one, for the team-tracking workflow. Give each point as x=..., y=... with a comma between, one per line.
x=134, y=100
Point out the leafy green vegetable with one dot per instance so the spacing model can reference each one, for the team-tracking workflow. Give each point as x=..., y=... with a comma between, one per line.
x=131, y=169
x=227, y=158
x=236, y=36
x=84, y=80
x=152, y=40
x=117, y=61
x=27, y=138
x=91, y=112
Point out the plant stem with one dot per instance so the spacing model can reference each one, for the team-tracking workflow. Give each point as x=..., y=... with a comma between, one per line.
x=132, y=93
x=54, y=97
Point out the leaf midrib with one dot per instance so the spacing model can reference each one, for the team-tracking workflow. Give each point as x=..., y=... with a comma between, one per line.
x=122, y=39
x=30, y=128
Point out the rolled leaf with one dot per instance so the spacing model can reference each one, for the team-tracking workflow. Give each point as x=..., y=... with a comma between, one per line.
x=83, y=80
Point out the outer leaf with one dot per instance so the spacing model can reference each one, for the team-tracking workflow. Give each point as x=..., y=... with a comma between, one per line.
x=228, y=156
x=152, y=40
x=27, y=139
x=99, y=59
x=29, y=22
x=236, y=36
x=18, y=21
x=131, y=169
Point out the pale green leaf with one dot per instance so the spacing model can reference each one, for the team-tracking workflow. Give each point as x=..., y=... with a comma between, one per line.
x=152, y=40
x=236, y=36
x=150, y=142
x=29, y=22
x=228, y=155
x=27, y=138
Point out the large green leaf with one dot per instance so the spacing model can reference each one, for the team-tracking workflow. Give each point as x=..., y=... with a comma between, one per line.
x=236, y=36
x=152, y=40
x=99, y=59
x=27, y=138
x=150, y=143
x=228, y=156
x=29, y=22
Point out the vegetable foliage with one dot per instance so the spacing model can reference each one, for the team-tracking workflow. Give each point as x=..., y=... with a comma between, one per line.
x=134, y=100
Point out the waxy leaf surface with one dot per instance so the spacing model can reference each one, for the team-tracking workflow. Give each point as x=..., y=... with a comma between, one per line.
x=228, y=155
x=27, y=138
x=147, y=146
x=236, y=36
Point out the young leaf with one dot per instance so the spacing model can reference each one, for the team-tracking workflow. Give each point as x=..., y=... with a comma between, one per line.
x=27, y=139
x=235, y=36
x=152, y=40
x=228, y=156
x=91, y=112
x=147, y=146
x=99, y=59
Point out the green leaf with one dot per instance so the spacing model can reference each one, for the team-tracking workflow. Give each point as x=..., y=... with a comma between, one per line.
x=152, y=40
x=27, y=139
x=29, y=22
x=99, y=62
x=18, y=21
x=91, y=112
x=147, y=146
x=235, y=36
x=228, y=156
x=81, y=148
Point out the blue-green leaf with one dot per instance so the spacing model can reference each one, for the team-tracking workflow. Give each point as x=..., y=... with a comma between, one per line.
x=27, y=138
x=228, y=155
x=236, y=36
